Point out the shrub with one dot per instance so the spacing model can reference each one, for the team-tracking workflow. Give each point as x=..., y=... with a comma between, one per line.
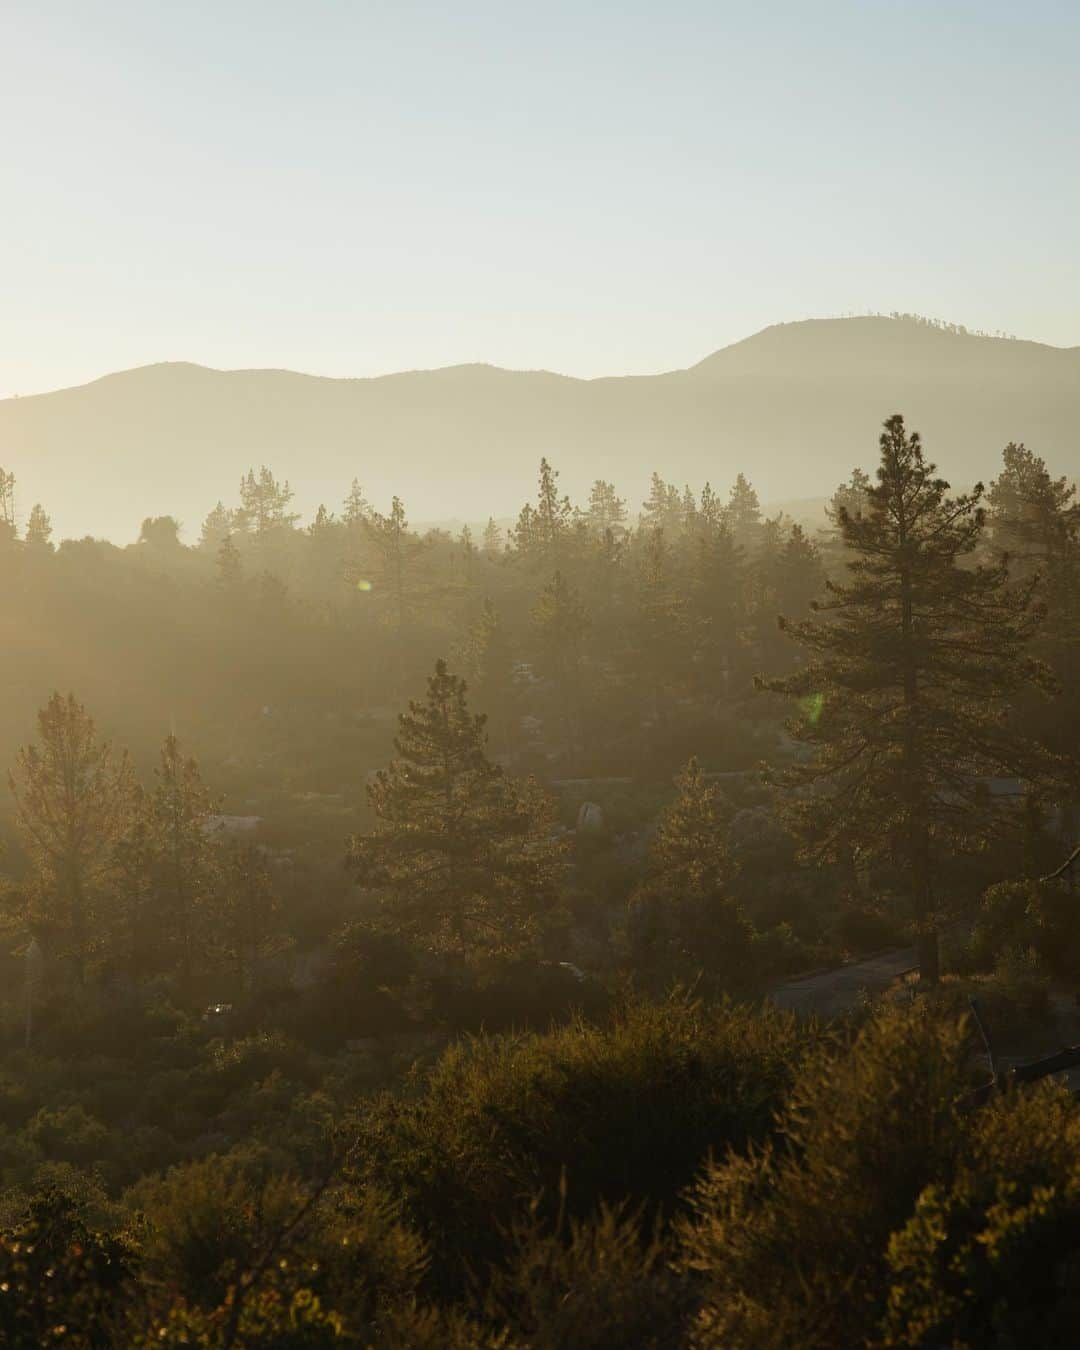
x=589, y=1284
x=790, y=1241
x=69, y=1134
x=991, y=1256
x=628, y=1109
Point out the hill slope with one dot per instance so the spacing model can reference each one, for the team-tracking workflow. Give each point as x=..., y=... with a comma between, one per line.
x=795, y=407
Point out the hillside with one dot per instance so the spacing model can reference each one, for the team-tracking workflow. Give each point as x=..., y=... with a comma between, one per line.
x=795, y=407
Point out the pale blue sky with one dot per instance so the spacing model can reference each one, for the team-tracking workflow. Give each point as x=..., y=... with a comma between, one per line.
x=352, y=188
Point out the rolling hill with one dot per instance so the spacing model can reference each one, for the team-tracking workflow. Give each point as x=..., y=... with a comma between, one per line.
x=794, y=407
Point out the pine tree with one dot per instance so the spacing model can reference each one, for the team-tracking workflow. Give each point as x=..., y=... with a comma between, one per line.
x=711, y=511
x=487, y=659
x=182, y=858
x=560, y=622
x=73, y=802
x=542, y=532
x=462, y=855
x=552, y=518
x=469, y=553
x=852, y=498
x=493, y=539
x=247, y=913
x=791, y=578
x=683, y=907
x=8, y=521
x=357, y=508
x=216, y=528
x=689, y=518
x=39, y=530
x=744, y=514
x=264, y=504
x=717, y=607
x=607, y=510
x=689, y=853
x=905, y=694
x=1034, y=522
x=1033, y=517
x=659, y=631
x=230, y=569
x=662, y=510
x=395, y=549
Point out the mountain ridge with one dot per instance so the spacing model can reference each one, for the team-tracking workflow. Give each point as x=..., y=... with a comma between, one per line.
x=794, y=406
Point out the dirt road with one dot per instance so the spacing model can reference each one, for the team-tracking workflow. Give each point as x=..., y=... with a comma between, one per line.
x=831, y=992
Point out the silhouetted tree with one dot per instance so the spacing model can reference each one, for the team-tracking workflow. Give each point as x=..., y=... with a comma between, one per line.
x=73, y=802
x=39, y=530
x=908, y=680
x=559, y=624
x=462, y=855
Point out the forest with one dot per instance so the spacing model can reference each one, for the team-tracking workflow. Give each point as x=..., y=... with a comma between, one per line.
x=397, y=920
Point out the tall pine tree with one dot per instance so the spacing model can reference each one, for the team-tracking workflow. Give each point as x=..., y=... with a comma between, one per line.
x=73, y=802
x=912, y=664
x=463, y=856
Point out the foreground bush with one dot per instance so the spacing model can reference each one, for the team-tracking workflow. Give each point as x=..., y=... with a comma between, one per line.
x=627, y=1110
x=844, y=1191
x=893, y=1211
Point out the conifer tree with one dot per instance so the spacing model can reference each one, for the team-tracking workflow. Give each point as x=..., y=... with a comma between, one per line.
x=396, y=550
x=717, y=605
x=468, y=554
x=1033, y=518
x=182, y=858
x=247, y=911
x=607, y=510
x=542, y=532
x=744, y=513
x=357, y=508
x=264, y=503
x=39, y=530
x=852, y=498
x=689, y=518
x=683, y=906
x=552, y=517
x=791, y=578
x=662, y=509
x=659, y=632
x=711, y=512
x=462, y=854
x=8, y=521
x=493, y=539
x=216, y=528
x=1034, y=521
x=230, y=569
x=689, y=853
x=487, y=658
x=73, y=802
x=560, y=622
x=905, y=693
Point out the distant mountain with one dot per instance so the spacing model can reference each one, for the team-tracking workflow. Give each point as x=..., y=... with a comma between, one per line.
x=794, y=407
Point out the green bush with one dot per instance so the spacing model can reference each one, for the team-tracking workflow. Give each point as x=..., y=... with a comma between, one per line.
x=790, y=1240
x=588, y=1284
x=630, y=1109
x=991, y=1255
x=69, y=1134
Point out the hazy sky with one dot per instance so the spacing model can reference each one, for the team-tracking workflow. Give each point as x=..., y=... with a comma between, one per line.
x=352, y=188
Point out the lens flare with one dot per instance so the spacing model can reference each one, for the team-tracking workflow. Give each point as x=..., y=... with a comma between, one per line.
x=364, y=585
x=812, y=707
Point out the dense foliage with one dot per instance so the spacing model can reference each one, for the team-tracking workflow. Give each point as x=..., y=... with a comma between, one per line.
x=390, y=919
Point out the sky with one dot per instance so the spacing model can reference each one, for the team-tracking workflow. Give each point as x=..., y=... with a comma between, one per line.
x=356, y=188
